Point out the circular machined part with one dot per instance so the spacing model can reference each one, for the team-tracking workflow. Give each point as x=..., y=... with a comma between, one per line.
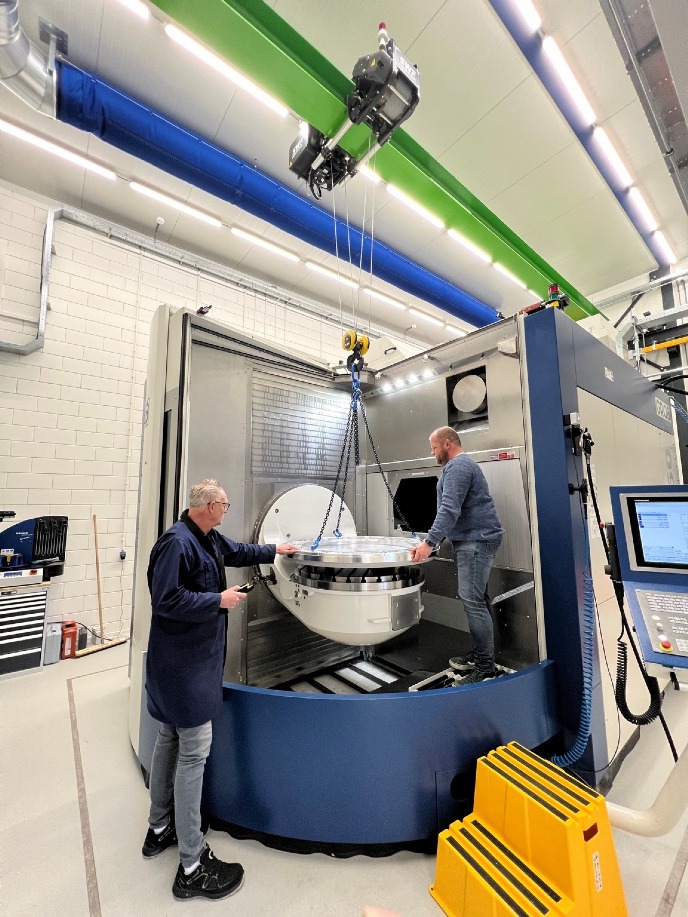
x=363, y=551
x=469, y=394
x=355, y=579
x=296, y=514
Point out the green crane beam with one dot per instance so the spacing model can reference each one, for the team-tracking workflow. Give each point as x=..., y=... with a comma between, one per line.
x=255, y=40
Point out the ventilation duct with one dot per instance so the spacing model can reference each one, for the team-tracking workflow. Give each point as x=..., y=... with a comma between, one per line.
x=23, y=68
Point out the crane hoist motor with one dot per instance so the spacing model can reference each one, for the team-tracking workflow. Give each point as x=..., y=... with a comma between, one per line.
x=386, y=92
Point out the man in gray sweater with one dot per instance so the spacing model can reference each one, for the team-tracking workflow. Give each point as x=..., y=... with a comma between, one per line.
x=466, y=515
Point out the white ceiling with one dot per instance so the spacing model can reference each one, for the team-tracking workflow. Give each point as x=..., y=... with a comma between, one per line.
x=483, y=115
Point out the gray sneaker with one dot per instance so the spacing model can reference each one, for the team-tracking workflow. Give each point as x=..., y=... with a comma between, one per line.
x=463, y=663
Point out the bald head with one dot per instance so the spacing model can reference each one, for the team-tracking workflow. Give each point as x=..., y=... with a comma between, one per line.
x=445, y=444
x=447, y=433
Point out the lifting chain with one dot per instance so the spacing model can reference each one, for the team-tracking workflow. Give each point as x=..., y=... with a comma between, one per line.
x=351, y=436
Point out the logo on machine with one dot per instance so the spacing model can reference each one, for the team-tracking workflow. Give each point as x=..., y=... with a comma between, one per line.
x=298, y=146
x=406, y=66
x=609, y=373
x=663, y=410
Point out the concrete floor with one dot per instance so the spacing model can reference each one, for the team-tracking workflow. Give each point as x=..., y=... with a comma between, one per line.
x=73, y=817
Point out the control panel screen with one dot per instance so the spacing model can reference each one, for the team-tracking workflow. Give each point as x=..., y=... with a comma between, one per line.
x=659, y=528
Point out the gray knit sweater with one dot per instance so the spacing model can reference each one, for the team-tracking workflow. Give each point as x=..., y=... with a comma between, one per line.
x=465, y=509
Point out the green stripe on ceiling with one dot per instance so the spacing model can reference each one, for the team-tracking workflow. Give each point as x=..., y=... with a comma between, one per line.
x=250, y=35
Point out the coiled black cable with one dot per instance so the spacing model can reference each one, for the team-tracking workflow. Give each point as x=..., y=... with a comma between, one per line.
x=655, y=707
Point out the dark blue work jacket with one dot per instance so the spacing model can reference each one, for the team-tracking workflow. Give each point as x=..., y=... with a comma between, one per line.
x=186, y=647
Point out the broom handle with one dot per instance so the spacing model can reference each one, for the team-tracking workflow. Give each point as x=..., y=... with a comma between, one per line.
x=100, y=598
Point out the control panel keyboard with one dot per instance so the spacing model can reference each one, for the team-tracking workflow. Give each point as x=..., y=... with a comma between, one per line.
x=666, y=619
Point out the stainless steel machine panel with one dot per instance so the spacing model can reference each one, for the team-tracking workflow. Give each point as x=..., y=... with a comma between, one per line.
x=505, y=480
x=297, y=431
x=425, y=405
x=405, y=610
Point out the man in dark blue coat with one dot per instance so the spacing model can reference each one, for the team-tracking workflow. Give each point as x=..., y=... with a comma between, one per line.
x=184, y=666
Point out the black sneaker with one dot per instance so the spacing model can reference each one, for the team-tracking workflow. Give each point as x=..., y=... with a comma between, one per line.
x=463, y=663
x=156, y=843
x=475, y=676
x=211, y=879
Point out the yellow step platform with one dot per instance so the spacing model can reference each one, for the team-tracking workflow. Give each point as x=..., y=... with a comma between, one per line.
x=538, y=842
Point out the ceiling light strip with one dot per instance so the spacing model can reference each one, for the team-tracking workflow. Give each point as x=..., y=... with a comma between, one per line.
x=13, y=130
x=470, y=246
x=263, y=243
x=425, y=317
x=415, y=206
x=332, y=275
x=553, y=71
x=137, y=7
x=223, y=68
x=173, y=202
x=384, y=298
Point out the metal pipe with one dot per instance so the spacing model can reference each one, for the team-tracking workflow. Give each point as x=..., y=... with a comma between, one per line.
x=332, y=142
x=46, y=262
x=23, y=68
x=650, y=285
x=666, y=810
x=674, y=370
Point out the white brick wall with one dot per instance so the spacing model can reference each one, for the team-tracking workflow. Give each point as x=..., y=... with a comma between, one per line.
x=70, y=414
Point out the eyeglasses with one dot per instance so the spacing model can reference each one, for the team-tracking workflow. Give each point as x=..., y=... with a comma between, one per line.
x=226, y=505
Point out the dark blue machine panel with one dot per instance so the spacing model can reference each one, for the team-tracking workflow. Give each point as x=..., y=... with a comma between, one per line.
x=364, y=769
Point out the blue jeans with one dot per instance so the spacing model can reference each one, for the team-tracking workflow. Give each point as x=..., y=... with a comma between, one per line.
x=176, y=783
x=474, y=561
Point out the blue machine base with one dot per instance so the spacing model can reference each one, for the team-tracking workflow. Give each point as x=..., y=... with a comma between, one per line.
x=363, y=770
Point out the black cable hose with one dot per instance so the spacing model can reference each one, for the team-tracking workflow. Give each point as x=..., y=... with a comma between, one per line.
x=654, y=710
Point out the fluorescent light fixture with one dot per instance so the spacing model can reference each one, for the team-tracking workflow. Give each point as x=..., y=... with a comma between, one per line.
x=512, y=277
x=664, y=245
x=36, y=140
x=398, y=383
x=457, y=331
x=551, y=49
x=613, y=158
x=428, y=374
x=326, y=272
x=529, y=13
x=640, y=204
x=263, y=243
x=173, y=202
x=412, y=378
x=462, y=240
x=426, y=317
x=537, y=296
x=369, y=174
x=415, y=206
x=385, y=299
x=222, y=67
x=136, y=6
x=386, y=387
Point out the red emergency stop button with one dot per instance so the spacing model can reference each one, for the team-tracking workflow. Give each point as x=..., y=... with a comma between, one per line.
x=665, y=644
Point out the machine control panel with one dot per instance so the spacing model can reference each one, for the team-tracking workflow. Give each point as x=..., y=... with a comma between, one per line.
x=666, y=618
x=651, y=534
